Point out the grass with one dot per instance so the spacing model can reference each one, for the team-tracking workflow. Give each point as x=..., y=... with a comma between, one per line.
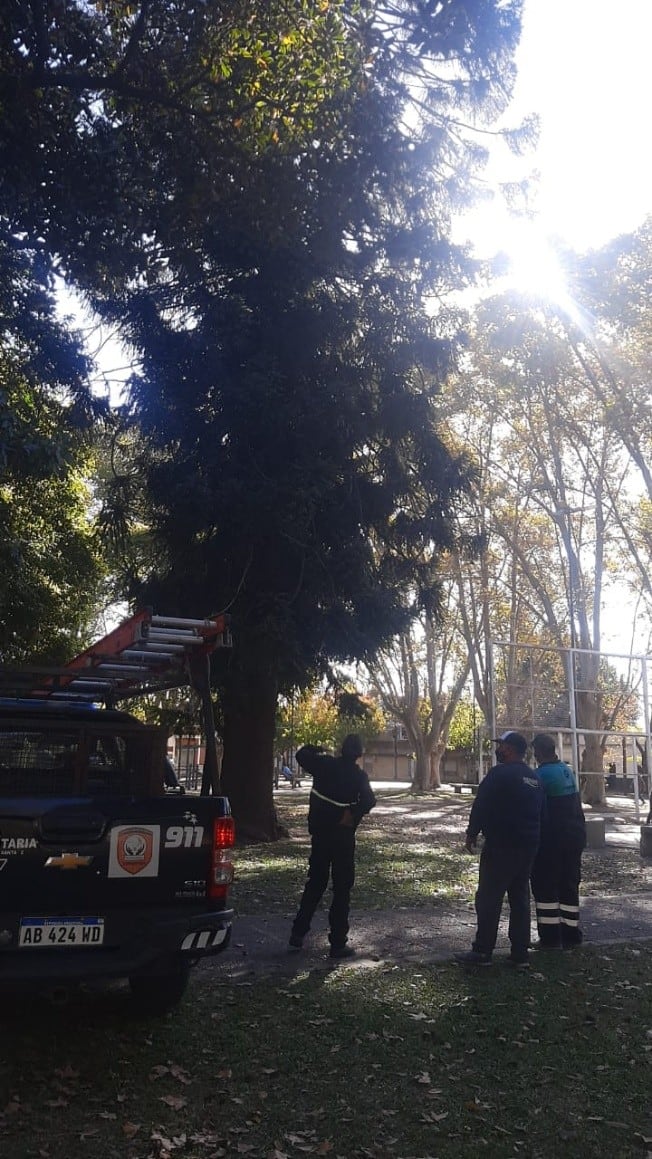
x=405, y=856
x=363, y=1061
x=409, y=854
x=365, y=1064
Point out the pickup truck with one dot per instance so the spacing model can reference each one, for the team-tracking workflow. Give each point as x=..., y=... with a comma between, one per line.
x=104, y=873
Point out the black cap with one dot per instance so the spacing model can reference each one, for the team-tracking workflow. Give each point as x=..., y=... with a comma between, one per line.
x=352, y=746
x=543, y=742
x=515, y=740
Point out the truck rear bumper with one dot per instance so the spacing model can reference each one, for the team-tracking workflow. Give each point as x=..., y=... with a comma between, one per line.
x=148, y=943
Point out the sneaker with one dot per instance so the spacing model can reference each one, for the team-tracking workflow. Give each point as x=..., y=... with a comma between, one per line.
x=295, y=943
x=519, y=963
x=473, y=958
x=342, y=952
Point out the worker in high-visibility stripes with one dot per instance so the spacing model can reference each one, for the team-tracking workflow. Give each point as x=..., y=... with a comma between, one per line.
x=557, y=869
x=339, y=798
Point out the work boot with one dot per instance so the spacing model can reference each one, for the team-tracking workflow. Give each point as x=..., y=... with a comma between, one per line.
x=573, y=942
x=519, y=963
x=473, y=958
x=295, y=943
x=342, y=952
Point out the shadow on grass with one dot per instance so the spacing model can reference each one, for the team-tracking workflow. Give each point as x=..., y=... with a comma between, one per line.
x=388, y=874
x=409, y=853
x=353, y=1061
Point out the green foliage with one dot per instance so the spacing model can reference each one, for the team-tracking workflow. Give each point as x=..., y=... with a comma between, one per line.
x=50, y=565
x=317, y=717
x=176, y=710
x=293, y=466
x=462, y=731
x=306, y=718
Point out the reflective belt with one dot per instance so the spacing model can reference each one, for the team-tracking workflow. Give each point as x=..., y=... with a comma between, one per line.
x=340, y=804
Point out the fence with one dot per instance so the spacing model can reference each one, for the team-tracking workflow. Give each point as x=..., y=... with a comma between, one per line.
x=595, y=704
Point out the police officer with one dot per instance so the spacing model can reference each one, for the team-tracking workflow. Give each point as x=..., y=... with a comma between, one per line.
x=339, y=798
x=507, y=810
x=557, y=870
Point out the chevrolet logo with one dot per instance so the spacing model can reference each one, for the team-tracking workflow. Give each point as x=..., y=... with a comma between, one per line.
x=67, y=861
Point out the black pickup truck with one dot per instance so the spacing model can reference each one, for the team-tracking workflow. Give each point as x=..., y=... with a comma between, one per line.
x=104, y=873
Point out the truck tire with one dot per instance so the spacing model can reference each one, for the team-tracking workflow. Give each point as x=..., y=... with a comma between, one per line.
x=159, y=991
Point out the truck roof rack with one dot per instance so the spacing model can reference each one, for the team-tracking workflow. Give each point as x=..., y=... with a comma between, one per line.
x=145, y=653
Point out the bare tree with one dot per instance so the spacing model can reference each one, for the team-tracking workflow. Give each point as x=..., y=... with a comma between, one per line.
x=419, y=683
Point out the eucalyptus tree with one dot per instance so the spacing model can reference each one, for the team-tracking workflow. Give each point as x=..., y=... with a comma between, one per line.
x=610, y=339
x=553, y=483
x=419, y=679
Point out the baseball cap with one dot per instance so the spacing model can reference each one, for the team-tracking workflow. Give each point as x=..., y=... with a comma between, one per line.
x=515, y=739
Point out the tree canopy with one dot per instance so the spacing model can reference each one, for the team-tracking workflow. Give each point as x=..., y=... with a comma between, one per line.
x=50, y=569
x=259, y=196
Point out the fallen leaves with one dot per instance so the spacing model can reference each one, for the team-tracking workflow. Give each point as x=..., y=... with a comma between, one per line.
x=174, y=1101
x=172, y=1069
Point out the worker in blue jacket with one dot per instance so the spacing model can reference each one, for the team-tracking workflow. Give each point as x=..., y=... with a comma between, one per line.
x=507, y=809
x=339, y=798
x=557, y=869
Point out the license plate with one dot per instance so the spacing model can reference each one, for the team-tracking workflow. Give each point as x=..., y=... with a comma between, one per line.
x=51, y=932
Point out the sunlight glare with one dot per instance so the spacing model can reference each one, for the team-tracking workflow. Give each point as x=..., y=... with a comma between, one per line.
x=533, y=266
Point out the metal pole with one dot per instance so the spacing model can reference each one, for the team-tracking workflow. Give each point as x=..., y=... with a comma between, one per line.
x=291, y=762
x=573, y=715
x=200, y=674
x=646, y=710
x=563, y=519
x=635, y=779
x=492, y=687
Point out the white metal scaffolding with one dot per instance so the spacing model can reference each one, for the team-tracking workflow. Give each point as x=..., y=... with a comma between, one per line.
x=536, y=688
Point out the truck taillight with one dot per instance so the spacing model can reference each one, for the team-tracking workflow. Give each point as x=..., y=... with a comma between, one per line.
x=221, y=874
x=223, y=832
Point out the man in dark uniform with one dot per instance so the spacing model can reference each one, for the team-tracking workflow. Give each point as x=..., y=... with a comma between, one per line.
x=339, y=798
x=507, y=810
x=557, y=869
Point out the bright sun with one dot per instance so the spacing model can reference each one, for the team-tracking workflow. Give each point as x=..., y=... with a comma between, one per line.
x=528, y=260
x=533, y=266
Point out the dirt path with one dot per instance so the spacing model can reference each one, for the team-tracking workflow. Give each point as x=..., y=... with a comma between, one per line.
x=433, y=933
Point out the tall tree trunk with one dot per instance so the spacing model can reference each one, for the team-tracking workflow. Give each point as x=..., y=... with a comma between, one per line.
x=594, y=792
x=590, y=716
x=421, y=766
x=249, y=702
x=436, y=754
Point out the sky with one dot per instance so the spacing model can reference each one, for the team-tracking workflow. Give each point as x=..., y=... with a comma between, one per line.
x=583, y=66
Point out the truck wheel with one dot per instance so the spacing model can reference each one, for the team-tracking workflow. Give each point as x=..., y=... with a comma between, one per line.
x=155, y=993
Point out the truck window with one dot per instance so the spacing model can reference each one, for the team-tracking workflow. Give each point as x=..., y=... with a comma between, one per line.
x=37, y=762
x=53, y=762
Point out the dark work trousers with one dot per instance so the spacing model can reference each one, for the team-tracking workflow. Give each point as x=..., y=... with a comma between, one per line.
x=504, y=871
x=556, y=876
x=332, y=855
